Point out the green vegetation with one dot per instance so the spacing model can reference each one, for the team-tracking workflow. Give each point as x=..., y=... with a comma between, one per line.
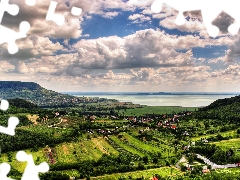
x=146, y=174
x=155, y=110
x=109, y=140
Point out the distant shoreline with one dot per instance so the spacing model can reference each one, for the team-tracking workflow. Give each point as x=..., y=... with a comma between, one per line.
x=152, y=93
x=177, y=99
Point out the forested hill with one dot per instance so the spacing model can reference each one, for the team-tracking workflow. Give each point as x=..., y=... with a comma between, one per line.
x=220, y=103
x=34, y=93
x=18, y=86
x=225, y=110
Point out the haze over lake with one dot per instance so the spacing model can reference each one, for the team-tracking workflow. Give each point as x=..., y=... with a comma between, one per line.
x=184, y=100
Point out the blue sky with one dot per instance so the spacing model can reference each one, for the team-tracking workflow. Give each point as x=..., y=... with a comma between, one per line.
x=121, y=46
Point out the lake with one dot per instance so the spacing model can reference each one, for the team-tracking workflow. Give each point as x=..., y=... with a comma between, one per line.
x=187, y=100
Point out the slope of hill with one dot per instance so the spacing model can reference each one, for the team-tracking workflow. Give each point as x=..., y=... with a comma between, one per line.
x=35, y=94
x=222, y=102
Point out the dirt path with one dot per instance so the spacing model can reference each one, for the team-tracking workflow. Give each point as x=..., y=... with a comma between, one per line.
x=183, y=159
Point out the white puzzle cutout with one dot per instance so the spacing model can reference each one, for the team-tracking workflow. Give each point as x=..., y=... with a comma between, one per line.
x=12, y=121
x=7, y=35
x=210, y=9
x=58, y=18
x=31, y=171
x=4, y=170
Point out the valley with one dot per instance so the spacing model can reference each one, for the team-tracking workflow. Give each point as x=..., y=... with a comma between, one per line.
x=145, y=142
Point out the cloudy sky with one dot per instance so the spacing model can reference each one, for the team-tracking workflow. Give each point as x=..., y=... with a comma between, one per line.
x=118, y=46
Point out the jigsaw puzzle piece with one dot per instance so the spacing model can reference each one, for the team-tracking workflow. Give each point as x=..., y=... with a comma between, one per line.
x=208, y=18
x=4, y=105
x=31, y=171
x=51, y=16
x=10, y=130
x=12, y=9
x=30, y=2
x=234, y=12
x=4, y=170
x=180, y=6
x=76, y=11
x=9, y=36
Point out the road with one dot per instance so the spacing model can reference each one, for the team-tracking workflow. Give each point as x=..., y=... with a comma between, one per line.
x=216, y=166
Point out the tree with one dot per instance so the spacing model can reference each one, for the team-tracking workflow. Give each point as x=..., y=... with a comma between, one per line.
x=155, y=160
x=145, y=159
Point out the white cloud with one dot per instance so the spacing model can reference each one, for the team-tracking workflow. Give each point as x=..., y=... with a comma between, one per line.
x=189, y=26
x=139, y=18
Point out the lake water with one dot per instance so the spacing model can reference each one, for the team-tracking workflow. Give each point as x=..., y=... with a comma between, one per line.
x=164, y=100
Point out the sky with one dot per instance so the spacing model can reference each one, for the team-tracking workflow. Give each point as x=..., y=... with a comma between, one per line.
x=121, y=46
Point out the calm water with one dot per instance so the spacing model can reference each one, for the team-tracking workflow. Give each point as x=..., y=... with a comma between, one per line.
x=165, y=100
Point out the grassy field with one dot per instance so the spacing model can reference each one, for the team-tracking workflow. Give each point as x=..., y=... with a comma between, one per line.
x=231, y=143
x=126, y=147
x=139, y=144
x=155, y=110
x=232, y=133
x=84, y=150
x=66, y=152
x=38, y=157
x=147, y=174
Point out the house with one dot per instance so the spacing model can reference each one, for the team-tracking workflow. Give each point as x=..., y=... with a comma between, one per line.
x=154, y=178
x=205, y=171
x=205, y=141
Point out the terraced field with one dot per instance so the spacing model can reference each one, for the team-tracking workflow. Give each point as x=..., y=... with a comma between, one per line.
x=38, y=157
x=232, y=133
x=147, y=174
x=230, y=144
x=84, y=150
x=123, y=147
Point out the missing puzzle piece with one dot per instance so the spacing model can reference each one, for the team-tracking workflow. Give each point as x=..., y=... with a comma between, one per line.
x=230, y=7
x=4, y=105
x=12, y=121
x=4, y=170
x=31, y=171
x=10, y=130
x=9, y=36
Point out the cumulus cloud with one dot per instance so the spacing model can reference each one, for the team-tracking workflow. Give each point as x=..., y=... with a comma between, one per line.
x=139, y=18
x=189, y=26
x=233, y=53
x=30, y=47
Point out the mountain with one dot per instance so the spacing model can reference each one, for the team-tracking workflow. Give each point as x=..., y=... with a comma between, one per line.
x=34, y=93
x=18, y=86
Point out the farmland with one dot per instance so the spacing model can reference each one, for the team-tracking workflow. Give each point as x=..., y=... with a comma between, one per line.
x=146, y=174
x=109, y=144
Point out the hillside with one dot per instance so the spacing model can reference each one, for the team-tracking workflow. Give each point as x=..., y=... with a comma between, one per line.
x=38, y=95
x=121, y=147
x=223, y=102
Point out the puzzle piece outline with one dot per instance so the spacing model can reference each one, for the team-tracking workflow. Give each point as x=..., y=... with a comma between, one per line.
x=31, y=170
x=7, y=35
x=4, y=171
x=231, y=7
x=59, y=18
x=12, y=121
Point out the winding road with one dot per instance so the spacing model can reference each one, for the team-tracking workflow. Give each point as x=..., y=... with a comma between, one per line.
x=208, y=162
x=215, y=166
